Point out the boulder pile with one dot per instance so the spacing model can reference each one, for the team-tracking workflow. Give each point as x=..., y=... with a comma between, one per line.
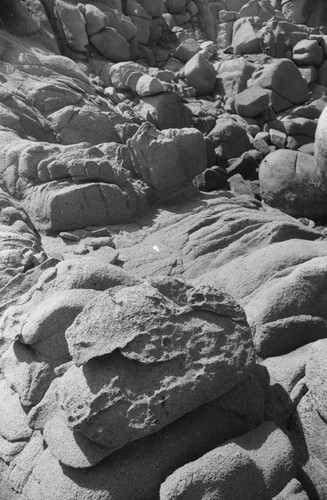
x=163, y=250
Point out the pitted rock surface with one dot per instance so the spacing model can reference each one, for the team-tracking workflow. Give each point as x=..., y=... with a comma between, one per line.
x=163, y=249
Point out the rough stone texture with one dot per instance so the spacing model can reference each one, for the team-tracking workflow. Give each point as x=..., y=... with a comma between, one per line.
x=309, y=426
x=73, y=25
x=13, y=421
x=211, y=179
x=283, y=301
x=155, y=374
x=146, y=462
x=132, y=353
x=167, y=159
x=294, y=490
x=262, y=9
x=90, y=272
x=316, y=376
x=29, y=365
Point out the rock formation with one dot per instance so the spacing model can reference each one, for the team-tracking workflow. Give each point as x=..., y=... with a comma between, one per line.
x=163, y=249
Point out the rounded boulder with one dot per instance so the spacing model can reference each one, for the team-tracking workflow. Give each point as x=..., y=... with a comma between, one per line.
x=290, y=181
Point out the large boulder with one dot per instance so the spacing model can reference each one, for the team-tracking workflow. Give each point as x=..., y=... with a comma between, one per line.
x=229, y=138
x=245, y=39
x=167, y=109
x=286, y=82
x=146, y=462
x=73, y=24
x=187, y=49
x=285, y=312
x=200, y=74
x=73, y=124
x=123, y=352
x=304, y=12
x=290, y=181
x=20, y=245
x=308, y=52
x=252, y=101
x=111, y=45
x=95, y=19
x=225, y=28
x=258, y=464
x=167, y=159
x=232, y=75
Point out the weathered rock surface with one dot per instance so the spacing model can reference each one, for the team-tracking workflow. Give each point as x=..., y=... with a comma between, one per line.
x=117, y=380
x=167, y=159
x=120, y=354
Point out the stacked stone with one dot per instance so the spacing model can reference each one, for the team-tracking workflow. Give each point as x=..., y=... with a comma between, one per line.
x=198, y=370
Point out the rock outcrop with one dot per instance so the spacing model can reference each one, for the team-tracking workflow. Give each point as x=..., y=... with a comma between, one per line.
x=163, y=249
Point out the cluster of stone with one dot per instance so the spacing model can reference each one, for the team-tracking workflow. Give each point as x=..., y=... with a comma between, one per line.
x=163, y=326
